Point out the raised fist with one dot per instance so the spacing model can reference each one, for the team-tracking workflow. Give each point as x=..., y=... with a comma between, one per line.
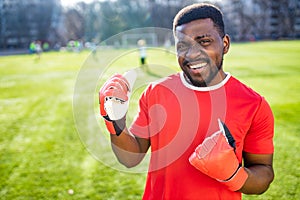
x=114, y=98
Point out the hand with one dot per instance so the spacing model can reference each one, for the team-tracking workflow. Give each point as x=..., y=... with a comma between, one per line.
x=114, y=101
x=216, y=158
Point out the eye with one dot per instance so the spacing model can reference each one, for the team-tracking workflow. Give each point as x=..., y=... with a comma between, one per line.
x=205, y=42
x=182, y=46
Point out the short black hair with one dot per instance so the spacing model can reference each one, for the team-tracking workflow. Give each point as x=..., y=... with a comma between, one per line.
x=200, y=11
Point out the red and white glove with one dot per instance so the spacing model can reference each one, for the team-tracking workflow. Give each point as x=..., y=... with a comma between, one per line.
x=216, y=158
x=114, y=98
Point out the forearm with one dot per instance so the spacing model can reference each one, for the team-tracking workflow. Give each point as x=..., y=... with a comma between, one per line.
x=259, y=179
x=128, y=149
x=114, y=98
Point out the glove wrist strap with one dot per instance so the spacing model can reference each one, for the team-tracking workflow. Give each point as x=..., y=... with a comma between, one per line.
x=237, y=181
x=110, y=127
x=115, y=127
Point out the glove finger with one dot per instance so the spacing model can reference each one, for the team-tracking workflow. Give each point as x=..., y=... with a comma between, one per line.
x=115, y=87
x=115, y=83
x=121, y=80
x=207, y=145
x=115, y=93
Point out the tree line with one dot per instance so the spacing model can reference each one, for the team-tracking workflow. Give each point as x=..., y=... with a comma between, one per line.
x=99, y=20
x=244, y=19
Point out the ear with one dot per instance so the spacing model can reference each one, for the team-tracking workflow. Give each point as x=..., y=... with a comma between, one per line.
x=226, y=43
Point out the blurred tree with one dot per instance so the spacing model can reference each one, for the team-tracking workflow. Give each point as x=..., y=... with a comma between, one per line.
x=92, y=21
x=256, y=19
x=102, y=19
x=24, y=21
x=117, y=16
x=74, y=24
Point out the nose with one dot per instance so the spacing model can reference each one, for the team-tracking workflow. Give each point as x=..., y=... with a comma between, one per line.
x=194, y=52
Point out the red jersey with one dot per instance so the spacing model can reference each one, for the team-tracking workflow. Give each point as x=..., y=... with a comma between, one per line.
x=177, y=116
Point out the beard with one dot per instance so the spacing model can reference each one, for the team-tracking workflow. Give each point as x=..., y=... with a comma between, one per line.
x=213, y=72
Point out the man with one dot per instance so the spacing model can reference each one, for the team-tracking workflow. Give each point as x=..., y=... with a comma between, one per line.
x=142, y=51
x=200, y=123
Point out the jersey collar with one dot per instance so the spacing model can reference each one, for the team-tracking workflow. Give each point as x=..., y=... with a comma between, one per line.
x=204, y=89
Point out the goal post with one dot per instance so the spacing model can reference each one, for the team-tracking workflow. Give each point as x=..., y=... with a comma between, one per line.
x=131, y=39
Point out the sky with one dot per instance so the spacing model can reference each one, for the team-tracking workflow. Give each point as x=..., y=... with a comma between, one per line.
x=72, y=2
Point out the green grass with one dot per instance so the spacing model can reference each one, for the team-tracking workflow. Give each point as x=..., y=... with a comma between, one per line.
x=42, y=157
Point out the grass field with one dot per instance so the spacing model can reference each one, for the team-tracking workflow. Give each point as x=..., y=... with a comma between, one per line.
x=42, y=157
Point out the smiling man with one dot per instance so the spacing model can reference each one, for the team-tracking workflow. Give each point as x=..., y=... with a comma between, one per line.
x=200, y=48
x=201, y=123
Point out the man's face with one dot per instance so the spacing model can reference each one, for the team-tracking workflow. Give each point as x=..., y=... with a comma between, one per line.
x=200, y=50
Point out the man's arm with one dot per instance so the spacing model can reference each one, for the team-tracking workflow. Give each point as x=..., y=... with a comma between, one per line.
x=114, y=97
x=129, y=149
x=259, y=139
x=260, y=173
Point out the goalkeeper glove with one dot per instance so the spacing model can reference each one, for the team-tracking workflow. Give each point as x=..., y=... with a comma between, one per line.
x=114, y=101
x=216, y=158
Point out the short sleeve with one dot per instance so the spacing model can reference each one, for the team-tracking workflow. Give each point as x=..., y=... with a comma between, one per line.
x=259, y=139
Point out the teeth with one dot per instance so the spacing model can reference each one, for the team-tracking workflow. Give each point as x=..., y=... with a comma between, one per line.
x=198, y=65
